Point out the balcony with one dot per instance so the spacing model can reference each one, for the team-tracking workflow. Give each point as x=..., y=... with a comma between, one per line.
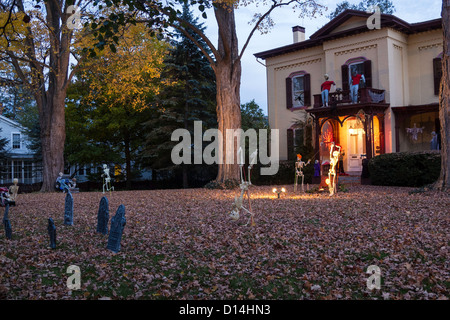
x=365, y=96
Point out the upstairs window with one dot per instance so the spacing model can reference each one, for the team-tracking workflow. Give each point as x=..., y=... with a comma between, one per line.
x=437, y=74
x=16, y=140
x=298, y=90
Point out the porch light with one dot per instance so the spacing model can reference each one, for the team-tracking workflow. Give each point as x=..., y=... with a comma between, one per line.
x=353, y=132
x=275, y=190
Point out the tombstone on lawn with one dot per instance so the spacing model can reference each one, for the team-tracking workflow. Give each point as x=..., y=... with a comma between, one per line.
x=117, y=224
x=68, y=209
x=7, y=223
x=52, y=233
x=103, y=216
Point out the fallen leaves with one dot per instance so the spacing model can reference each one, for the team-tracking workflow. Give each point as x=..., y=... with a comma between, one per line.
x=181, y=244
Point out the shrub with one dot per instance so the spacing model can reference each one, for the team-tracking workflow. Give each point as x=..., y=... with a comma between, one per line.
x=407, y=169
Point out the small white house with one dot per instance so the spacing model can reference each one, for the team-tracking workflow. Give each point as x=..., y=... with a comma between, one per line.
x=21, y=163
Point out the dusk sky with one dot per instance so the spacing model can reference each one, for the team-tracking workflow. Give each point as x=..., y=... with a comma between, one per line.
x=254, y=84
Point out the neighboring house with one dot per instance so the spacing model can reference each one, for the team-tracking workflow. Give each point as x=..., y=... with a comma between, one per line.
x=20, y=163
x=397, y=110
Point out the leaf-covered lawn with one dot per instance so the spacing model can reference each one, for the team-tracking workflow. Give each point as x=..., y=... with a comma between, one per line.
x=181, y=244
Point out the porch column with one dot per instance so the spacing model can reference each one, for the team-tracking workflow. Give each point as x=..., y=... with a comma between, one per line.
x=317, y=139
x=382, y=133
x=368, y=129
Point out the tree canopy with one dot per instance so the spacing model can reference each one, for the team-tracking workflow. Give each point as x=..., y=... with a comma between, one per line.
x=386, y=6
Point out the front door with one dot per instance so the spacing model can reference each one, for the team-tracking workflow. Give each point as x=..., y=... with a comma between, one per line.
x=355, y=147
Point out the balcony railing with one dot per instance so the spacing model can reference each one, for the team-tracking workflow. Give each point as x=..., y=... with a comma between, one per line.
x=365, y=95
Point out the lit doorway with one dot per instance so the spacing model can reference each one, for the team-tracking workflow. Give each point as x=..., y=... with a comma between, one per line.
x=355, y=146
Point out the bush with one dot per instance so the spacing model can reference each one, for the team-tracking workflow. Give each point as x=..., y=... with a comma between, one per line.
x=406, y=169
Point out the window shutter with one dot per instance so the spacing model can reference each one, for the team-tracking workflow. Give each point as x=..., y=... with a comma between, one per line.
x=344, y=71
x=368, y=73
x=288, y=93
x=290, y=144
x=437, y=74
x=307, y=88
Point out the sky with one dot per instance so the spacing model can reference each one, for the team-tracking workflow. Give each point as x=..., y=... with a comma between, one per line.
x=253, y=82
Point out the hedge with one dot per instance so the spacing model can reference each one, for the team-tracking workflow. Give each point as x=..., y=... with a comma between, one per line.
x=405, y=169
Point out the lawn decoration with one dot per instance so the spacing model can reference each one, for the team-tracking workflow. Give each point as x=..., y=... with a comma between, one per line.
x=335, y=151
x=414, y=131
x=238, y=201
x=63, y=184
x=5, y=198
x=106, y=180
x=103, y=216
x=52, y=233
x=68, y=209
x=282, y=190
x=13, y=190
x=7, y=223
x=118, y=223
x=299, y=164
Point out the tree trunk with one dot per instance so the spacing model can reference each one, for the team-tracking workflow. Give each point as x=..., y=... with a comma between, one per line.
x=127, y=160
x=53, y=135
x=444, y=101
x=228, y=81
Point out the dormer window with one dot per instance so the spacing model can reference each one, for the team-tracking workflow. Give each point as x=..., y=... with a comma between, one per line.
x=16, y=140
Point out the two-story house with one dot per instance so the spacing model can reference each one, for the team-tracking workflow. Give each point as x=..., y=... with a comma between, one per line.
x=20, y=163
x=397, y=107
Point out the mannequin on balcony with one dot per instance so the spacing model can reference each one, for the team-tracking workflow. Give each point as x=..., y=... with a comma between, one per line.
x=354, y=85
x=325, y=89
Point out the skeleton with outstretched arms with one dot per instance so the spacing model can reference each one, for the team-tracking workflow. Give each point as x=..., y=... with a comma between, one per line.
x=299, y=164
x=335, y=152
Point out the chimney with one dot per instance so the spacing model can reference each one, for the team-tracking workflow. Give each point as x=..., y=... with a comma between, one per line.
x=299, y=34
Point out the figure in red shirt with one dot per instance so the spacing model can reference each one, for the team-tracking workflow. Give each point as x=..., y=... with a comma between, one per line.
x=325, y=89
x=354, y=85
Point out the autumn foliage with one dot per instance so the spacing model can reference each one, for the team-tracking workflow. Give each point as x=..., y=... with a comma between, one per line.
x=181, y=244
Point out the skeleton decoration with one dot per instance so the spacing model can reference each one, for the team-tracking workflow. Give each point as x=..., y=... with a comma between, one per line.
x=335, y=152
x=414, y=131
x=13, y=190
x=299, y=164
x=106, y=179
x=238, y=201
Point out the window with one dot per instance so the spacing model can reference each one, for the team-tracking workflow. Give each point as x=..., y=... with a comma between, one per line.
x=16, y=140
x=360, y=65
x=437, y=74
x=298, y=90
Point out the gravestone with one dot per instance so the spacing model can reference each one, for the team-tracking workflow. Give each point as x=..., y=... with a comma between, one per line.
x=7, y=223
x=103, y=216
x=52, y=233
x=68, y=210
x=115, y=234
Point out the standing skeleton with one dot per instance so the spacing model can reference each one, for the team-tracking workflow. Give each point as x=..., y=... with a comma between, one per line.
x=238, y=201
x=299, y=164
x=335, y=152
x=106, y=179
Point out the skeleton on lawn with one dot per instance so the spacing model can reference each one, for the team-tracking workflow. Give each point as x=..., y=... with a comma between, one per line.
x=335, y=152
x=299, y=164
x=238, y=202
x=106, y=179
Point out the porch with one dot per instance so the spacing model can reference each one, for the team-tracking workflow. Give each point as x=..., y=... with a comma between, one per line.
x=365, y=95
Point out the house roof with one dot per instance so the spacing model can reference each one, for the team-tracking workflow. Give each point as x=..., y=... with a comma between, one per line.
x=10, y=122
x=326, y=32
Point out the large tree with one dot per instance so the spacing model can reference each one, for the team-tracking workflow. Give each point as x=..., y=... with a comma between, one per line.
x=189, y=96
x=112, y=90
x=36, y=42
x=444, y=100
x=225, y=57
